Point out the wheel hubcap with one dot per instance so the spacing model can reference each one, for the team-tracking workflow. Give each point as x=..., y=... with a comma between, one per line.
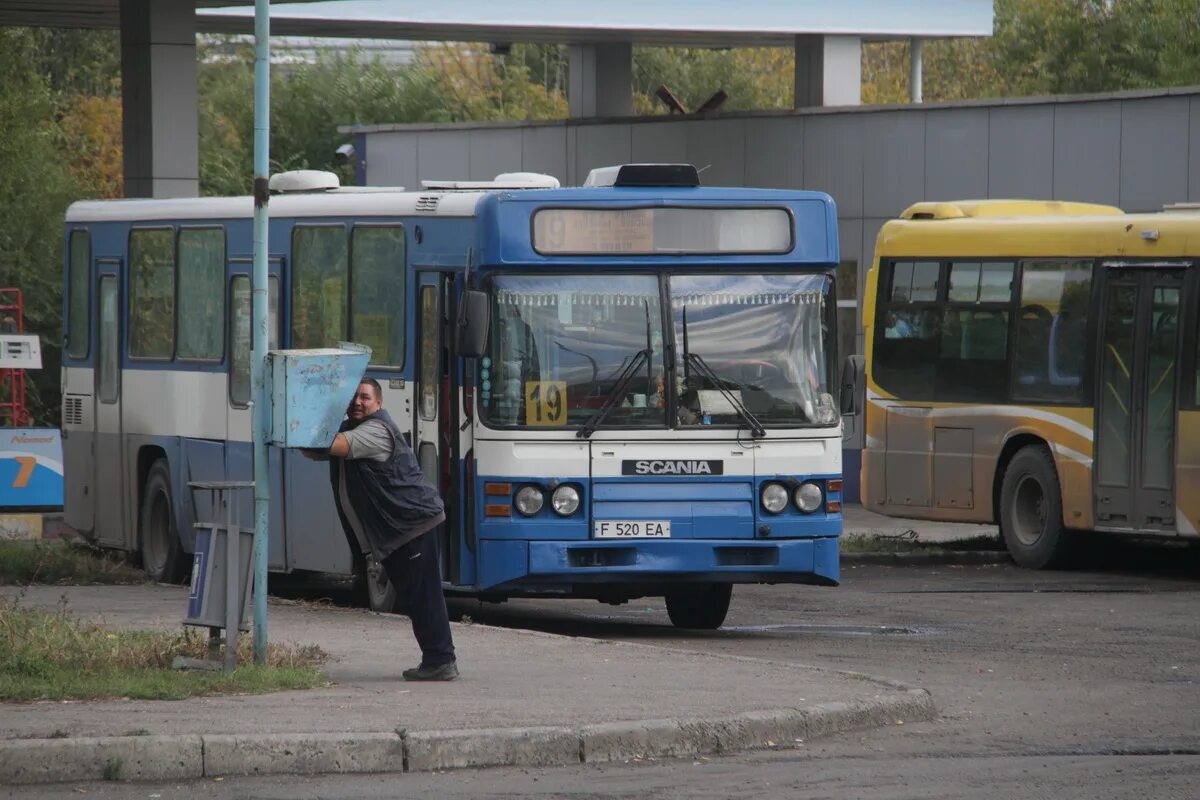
x=1029, y=511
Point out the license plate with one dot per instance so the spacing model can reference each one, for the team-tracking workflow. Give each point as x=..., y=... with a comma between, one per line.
x=632, y=529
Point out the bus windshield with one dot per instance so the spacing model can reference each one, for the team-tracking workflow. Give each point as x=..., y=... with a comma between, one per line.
x=767, y=339
x=560, y=347
x=753, y=349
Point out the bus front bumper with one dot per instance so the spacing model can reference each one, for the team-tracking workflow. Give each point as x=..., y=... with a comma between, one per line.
x=527, y=565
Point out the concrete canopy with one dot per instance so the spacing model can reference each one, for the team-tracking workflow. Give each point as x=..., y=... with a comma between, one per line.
x=698, y=23
x=705, y=23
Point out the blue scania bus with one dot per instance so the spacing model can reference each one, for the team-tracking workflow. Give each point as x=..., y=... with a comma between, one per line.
x=622, y=390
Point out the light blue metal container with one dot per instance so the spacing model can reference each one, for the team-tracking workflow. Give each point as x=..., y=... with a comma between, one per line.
x=310, y=390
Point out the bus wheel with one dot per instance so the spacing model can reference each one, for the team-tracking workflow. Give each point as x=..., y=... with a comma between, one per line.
x=703, y=607
x=381, y=595
x=162, y=555
x=1031, y=510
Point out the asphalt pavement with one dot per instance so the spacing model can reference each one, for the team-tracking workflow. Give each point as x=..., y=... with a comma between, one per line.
x=523, y=698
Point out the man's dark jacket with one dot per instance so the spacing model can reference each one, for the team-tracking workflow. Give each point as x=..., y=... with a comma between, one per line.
x=393, y=500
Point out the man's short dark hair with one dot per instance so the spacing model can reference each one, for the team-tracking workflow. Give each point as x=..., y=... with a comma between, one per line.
x=375, y=387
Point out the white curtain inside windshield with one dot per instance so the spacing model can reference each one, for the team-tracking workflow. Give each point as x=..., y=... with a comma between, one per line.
x=760, y=341
x=562, y=347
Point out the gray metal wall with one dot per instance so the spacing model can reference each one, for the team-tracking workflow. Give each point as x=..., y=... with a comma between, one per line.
x=1135, y=150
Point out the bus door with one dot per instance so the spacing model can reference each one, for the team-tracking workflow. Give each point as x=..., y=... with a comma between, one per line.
x=109, y=447
x=1140, y=353
x=1187, y=464
x=433, y=441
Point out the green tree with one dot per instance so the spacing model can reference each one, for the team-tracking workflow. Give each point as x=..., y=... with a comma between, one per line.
x=1074, y=46
x=953, y=69
x=474, y=84
x=36, y=186
x=308, y=103
x=753, y=78
x=76, y=61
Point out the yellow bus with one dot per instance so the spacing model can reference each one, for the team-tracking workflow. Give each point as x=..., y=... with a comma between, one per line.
x=1033, y=363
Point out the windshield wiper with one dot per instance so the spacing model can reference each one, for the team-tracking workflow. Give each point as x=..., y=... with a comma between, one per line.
x=610, y=400
x=756, y=429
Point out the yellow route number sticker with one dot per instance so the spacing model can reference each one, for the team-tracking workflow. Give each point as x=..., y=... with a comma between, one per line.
x=545, y=402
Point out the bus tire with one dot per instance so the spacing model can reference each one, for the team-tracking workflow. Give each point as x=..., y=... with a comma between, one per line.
x=1031, y=510
x=702, y=607
x=381, y=595
x=161, y=552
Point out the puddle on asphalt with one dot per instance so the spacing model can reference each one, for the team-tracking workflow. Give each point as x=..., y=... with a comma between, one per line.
x=832, y=630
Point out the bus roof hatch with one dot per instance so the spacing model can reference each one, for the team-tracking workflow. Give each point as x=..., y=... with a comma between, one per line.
x=303, y=180
x=644, y=175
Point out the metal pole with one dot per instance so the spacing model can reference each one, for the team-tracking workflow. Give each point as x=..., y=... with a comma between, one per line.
x=917, y=55
x=233, y=576
x=258, y=360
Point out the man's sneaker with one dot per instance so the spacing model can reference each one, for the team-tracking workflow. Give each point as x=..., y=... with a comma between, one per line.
x=440, y=672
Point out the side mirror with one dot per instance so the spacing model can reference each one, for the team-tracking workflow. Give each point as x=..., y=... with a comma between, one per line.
x=853, y=384
x=474, y=316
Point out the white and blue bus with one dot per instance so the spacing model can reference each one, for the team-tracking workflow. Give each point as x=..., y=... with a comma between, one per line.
x=622, y=390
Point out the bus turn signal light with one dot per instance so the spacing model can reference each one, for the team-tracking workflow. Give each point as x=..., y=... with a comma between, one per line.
x=834, y=485
x=497, y=489
x=497, y=510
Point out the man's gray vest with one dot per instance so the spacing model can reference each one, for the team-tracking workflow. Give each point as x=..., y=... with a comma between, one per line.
x=393, y=500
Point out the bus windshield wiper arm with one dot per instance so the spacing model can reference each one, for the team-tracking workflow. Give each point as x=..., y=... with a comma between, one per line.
x=756, y=429
x=610, y=401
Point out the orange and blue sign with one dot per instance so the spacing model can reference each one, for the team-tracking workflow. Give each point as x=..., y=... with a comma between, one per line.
x=31, y=468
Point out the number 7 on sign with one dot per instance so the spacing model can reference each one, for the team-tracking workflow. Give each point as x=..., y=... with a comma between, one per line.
x=25, y=472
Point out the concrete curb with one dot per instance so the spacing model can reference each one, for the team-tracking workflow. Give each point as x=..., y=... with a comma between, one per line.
x=918, y=559
x=104, y=758
x=151, y=758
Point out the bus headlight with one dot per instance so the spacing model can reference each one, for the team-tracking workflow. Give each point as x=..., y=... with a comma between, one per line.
x=774, y=497
x=565, y=500
x=809, y=497
x=529, y=500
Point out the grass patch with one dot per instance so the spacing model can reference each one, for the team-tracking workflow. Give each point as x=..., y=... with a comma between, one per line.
x=903, y=543
x=56, y=562
x=51, y=655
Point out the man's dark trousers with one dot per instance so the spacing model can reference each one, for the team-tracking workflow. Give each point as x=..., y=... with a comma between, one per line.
x=417, y=576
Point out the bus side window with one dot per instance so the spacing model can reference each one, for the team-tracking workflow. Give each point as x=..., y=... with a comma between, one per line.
x=378, y=279
x=1196, y=359
x=240, y=334
x=152, y=293
x=1068, y=341
x=79, y=296
x=201, y=293
x=320, y=280
x=1034, y=324
x=1052, y=330
x=907, y=335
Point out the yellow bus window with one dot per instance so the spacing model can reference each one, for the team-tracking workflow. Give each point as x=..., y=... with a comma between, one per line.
x=1052, y=330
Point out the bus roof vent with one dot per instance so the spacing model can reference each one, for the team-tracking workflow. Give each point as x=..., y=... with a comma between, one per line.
x=303, y=180
x=505, y=180
x=428, y=202
x=644, y=175
x=959, y=209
